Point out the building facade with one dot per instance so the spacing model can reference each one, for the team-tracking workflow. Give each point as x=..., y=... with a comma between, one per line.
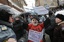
x=46, y=2
x=14, y=3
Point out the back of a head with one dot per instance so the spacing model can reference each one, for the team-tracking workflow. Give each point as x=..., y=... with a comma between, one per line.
x=4, y=15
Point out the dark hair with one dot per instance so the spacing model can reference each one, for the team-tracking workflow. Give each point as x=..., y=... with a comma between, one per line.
x=34, y=17
x=4, y=15
x=60, y=16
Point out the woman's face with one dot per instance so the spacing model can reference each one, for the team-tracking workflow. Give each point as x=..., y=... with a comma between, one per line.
x=57, y=20
x=34, y=22
x=11, y=20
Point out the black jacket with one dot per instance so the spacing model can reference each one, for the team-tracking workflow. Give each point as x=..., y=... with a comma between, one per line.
x=19, y=28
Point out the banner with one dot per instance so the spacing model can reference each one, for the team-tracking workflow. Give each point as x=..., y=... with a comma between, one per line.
x=41, y=10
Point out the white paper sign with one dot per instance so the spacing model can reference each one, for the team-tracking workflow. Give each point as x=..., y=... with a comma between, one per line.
x=35, y=36
x=41, y=10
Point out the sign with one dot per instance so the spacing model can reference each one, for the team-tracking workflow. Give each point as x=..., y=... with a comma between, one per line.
x=41, y=10
x=35, y=36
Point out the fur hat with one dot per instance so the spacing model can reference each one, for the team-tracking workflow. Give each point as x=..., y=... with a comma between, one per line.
x=60, y=16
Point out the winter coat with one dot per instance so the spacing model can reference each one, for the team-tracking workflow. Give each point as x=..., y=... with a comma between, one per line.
x=6, y=32
x=37, y=28
x=19, y=28
x=58, y=34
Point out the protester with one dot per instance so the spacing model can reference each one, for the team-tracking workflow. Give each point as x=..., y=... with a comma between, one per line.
x=58, y=35
x=50, y=24
x=6, y=33
x=19, y=29
x=35, y=30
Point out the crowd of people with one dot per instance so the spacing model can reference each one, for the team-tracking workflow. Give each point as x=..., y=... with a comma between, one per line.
x=31, y=28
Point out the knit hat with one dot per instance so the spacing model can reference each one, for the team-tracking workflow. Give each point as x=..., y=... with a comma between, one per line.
x=60, y=16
